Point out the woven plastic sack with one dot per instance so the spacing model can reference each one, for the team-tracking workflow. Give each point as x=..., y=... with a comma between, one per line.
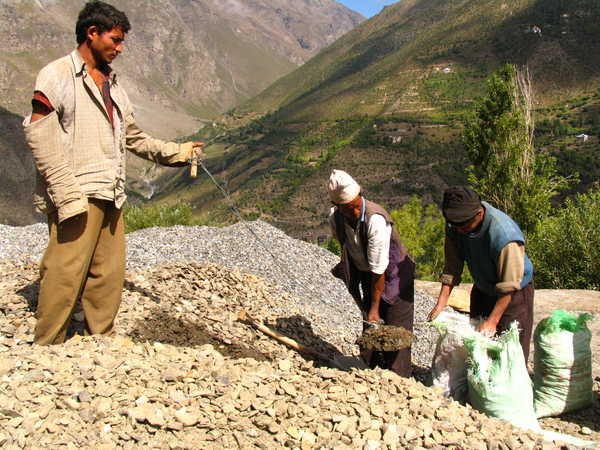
x=499, y=385
x=449, y=365
x=563, y=379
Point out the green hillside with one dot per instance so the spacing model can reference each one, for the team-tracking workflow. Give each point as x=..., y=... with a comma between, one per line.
x=387, y=103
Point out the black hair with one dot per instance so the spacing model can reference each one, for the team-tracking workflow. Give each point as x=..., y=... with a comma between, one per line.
x=103, y=16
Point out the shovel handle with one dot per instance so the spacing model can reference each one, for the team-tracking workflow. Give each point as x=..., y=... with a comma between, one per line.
x=244, y=316
x=193, y=159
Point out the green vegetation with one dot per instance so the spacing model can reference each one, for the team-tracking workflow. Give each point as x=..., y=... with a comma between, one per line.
x=146, y=216
x=507, y=170
x=333, y=246
x=565, y=249
x=421, y=229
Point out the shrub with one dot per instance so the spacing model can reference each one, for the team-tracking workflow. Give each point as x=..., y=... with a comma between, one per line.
x=333, y=246
x=146, y=216
x=565, y=248
x=421, y=229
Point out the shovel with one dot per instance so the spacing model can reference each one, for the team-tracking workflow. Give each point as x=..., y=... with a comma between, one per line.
x=340, y=362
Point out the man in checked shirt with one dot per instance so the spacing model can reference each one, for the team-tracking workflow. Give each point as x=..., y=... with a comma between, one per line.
x=81, y=124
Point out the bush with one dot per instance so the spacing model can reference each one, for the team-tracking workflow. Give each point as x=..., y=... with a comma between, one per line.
x=421, y=229
x=565, y=248
x=333, y=246
x=146, y=216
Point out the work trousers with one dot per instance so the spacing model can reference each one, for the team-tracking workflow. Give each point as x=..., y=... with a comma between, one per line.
x=85, y=257
x=400, y=314
x=520, y=309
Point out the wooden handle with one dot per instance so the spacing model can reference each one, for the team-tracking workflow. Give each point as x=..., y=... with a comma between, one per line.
x=194, y=168
x=283, y=339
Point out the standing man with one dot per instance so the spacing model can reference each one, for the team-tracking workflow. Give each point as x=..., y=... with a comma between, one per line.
x=493, y=247
x=374, y=261
x=82, y=123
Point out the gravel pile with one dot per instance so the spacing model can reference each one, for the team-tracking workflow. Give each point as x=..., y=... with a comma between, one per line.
x=298, y=271
x=185, y=372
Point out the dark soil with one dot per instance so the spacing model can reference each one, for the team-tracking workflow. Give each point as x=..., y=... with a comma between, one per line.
x=385, y=338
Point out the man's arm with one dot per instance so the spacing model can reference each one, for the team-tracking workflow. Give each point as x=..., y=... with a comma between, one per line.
x=155, y=150
x=44, y=135
x=377, y=285
x=510, y=268
x=442, y=302
x=451, y=276
x=489, y=326
x=379, y=233
x=40, y=110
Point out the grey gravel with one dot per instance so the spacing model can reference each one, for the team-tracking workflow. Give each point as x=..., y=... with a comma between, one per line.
x=299, y=271
x=184, y=372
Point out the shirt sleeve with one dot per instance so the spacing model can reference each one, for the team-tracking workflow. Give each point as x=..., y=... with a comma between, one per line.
x=332, y=224
x=379, y=233
x=44, y=138
x=155, y=150
x=511, y=266
x=453, y=263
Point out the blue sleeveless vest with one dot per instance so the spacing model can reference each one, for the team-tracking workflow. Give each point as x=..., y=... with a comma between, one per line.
x=480, y=251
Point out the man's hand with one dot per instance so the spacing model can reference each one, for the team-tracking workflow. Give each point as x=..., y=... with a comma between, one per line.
x=487, y=328
x=197, y=147
x=373, y=318
x=490, y=326
x=435, y=312
x=442, y=301
x=196, y=151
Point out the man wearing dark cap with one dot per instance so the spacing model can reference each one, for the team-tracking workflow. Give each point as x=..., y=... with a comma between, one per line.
x=493, y=246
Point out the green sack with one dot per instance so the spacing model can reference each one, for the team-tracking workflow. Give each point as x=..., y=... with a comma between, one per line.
x=450, y=360
x=499, y=385
x=563, y=379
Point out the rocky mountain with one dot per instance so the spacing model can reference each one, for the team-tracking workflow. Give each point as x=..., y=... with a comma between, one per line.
x=185, y=61
x=387, y=103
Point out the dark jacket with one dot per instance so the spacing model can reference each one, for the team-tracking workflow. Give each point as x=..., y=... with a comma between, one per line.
x=400, y=272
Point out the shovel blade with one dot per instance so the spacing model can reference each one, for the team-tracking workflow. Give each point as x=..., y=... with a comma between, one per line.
x=348, y=363
x=385, y=338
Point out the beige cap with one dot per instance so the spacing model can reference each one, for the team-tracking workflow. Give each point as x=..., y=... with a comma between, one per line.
x=342, y=187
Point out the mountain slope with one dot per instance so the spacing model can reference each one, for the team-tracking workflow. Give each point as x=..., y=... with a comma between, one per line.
x=184, y=62
x=393, y=52
x=188, y=58
x=387, y=102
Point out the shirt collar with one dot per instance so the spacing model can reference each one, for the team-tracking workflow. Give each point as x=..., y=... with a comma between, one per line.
x=364, y=209
x=79, y=65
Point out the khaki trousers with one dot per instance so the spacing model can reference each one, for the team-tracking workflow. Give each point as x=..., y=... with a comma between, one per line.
x=85, y=257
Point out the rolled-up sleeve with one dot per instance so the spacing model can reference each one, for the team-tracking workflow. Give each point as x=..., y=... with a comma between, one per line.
x=511, y=266
x=453, y=263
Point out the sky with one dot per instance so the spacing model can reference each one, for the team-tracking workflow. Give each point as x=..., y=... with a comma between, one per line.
x=367, y=8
